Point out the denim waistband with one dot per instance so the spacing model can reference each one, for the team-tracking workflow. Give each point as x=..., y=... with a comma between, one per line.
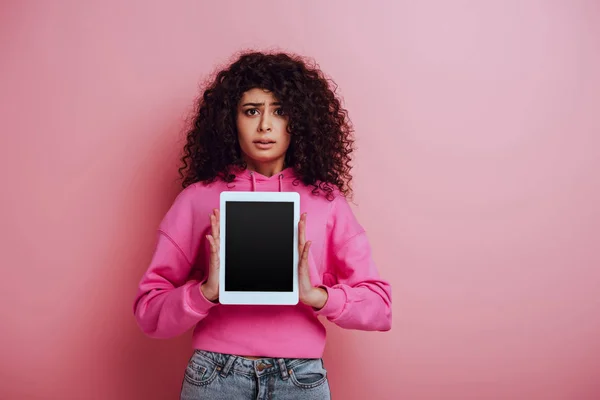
x=262, y=366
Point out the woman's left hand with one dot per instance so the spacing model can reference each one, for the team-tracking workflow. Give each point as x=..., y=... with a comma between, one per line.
x=315, y=297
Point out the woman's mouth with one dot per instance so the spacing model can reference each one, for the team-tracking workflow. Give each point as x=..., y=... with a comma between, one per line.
x=264, y=144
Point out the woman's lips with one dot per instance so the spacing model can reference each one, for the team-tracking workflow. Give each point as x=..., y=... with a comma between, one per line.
x=264, y=144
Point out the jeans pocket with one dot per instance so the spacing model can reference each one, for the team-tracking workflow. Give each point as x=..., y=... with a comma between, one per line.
x=200, y=372
x=308, y=375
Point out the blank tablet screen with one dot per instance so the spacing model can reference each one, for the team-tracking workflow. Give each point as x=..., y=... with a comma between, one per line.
x=259, y=248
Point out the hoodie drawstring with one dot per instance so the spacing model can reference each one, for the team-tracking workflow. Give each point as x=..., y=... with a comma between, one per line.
x=254, y=182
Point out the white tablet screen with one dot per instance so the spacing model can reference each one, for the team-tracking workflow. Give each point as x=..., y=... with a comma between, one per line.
x=259, y=246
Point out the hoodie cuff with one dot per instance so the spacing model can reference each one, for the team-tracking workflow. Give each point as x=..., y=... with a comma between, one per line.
x=336, y=301
x=196, y=301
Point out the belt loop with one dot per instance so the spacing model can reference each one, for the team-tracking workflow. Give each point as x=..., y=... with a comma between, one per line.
x=282, y=368
x=228, y=365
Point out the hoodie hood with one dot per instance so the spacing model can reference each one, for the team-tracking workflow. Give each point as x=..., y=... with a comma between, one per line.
x=256, y=179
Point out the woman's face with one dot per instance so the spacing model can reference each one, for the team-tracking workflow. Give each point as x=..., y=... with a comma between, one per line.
x=262, y=131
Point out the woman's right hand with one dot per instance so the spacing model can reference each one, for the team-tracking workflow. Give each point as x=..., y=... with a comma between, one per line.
x=210, y=288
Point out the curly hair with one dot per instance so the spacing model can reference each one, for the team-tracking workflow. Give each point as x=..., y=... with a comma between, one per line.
x=321, y=132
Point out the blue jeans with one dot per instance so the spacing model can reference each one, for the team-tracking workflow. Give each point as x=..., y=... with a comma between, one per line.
x=219, y=376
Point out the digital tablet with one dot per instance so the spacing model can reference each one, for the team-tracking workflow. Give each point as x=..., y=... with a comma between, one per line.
x=259, y=248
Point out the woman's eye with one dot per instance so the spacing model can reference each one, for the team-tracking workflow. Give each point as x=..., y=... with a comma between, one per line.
x=252, y=112
x=279, y=111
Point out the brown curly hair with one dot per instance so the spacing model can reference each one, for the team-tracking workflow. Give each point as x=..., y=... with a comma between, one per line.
x=321, y=132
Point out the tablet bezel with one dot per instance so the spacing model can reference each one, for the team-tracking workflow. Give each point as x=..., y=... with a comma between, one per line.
x=258, y=298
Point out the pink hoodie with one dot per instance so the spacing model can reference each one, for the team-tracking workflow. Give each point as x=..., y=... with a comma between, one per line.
x=169, y=300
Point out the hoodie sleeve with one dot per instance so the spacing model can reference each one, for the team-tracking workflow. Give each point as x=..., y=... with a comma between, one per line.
x=168, y=302
x=359, y=298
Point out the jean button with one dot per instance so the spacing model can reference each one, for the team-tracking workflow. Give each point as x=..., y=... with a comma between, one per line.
x=262, y=366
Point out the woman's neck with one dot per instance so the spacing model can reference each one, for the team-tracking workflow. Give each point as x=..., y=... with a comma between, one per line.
x=267, y=169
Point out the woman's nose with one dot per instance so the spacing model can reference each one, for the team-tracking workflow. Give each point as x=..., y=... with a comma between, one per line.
x=265, y=124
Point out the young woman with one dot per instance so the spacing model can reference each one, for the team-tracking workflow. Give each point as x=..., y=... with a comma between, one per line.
x=268, y=122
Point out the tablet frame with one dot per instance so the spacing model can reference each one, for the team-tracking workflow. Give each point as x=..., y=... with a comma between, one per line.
x=258, y=298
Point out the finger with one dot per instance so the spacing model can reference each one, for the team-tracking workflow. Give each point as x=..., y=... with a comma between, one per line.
x=213, y=247
x=217, y=223
x=214, y=254
x=304, y=258
x=213, y=226
x=217, y=234
x=302, y=232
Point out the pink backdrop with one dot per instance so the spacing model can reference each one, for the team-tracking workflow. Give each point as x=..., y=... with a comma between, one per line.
x=478, y=128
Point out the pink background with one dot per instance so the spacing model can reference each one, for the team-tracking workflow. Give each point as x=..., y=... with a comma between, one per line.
x=478, y=128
